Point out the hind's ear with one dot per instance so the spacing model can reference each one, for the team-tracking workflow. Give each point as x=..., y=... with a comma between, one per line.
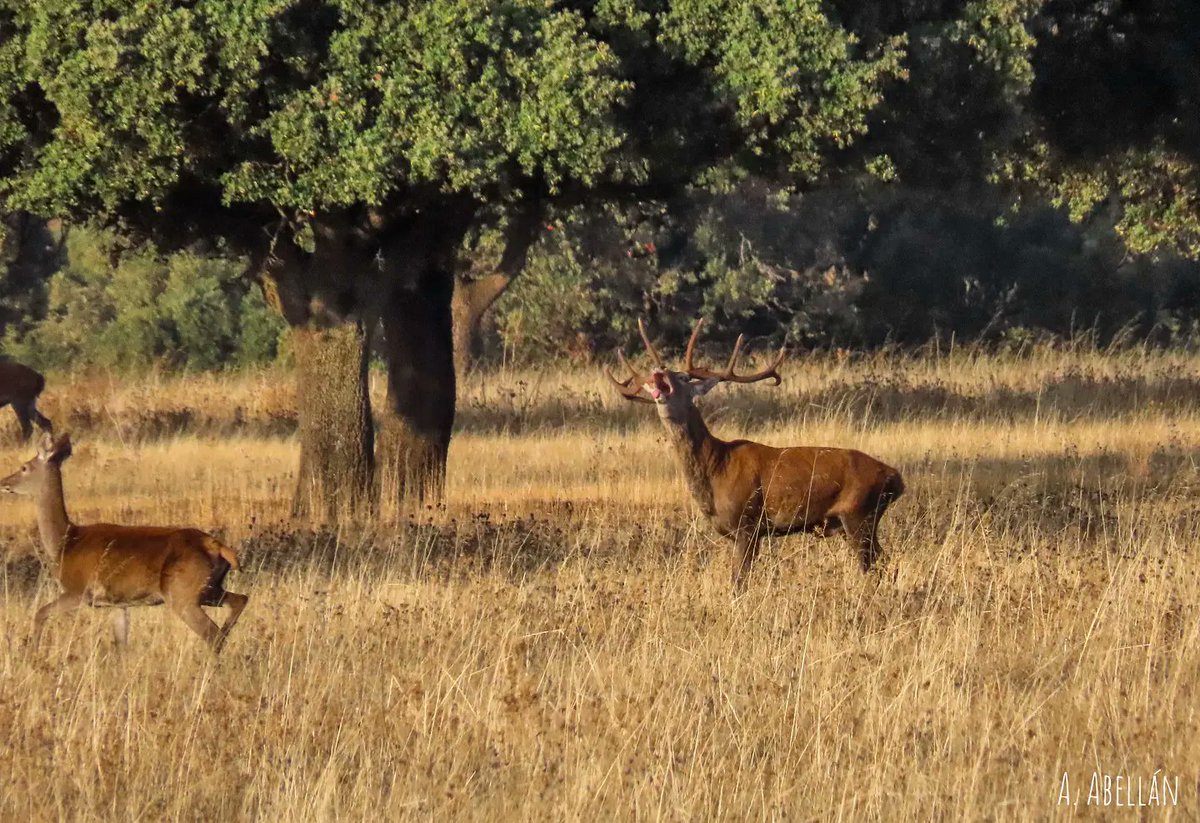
x=45, y=445
x=60, y=450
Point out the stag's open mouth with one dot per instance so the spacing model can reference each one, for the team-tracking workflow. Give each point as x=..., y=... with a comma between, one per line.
x=659, y=386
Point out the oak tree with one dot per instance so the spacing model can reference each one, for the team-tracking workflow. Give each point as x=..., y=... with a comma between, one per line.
x=347, y=148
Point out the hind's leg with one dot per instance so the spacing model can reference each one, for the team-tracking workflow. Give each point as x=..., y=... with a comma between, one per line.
x=64, y=603
x=184, y=582
x=235, y=603
x=199, y=622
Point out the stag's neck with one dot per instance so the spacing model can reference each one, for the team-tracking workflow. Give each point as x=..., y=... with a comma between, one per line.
x=53, y=523
x=699, y=453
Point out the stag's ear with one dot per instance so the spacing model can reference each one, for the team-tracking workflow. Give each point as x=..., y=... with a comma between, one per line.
x=703, y=387
x=61, y=449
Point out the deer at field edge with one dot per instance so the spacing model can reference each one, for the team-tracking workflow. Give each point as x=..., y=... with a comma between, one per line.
x=749, y=490
x=121, y=566
x=20, y=387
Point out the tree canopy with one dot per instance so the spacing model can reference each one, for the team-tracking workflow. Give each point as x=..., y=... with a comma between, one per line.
x=118, y=110
x=349, y=146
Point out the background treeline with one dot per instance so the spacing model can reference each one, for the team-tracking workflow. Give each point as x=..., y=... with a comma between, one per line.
x=850, y=266
x=857, y=265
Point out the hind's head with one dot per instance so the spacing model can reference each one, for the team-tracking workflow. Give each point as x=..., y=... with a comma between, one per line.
x=33, y=474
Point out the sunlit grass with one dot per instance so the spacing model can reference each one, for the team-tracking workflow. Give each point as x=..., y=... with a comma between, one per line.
x=558, y=640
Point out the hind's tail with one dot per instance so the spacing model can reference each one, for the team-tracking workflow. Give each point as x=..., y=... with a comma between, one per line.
x=216, y=548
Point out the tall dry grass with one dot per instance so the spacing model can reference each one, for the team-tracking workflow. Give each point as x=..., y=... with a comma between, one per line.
x=558, y=642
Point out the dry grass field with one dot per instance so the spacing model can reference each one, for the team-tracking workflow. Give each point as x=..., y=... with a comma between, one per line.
x=558, y=640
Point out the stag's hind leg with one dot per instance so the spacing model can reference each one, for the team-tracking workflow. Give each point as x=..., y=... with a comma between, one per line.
x=862, y=532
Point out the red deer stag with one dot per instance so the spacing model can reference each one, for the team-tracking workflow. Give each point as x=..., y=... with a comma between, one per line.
x=20, y=387
x=122, y=566
x=748, y=490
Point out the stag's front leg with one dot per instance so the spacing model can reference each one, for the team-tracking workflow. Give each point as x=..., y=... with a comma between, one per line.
x=24, y=419
x=120, y=627
x=745, y=549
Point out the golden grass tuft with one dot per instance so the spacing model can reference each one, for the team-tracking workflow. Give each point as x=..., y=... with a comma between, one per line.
x=558, y=640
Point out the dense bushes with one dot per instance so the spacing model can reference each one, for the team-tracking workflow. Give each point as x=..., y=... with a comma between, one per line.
x=845, y=266
x=131, y=309
x=850, y=266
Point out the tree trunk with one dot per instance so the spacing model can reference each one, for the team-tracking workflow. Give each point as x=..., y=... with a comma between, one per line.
x=336, y=433
x=472, y=299
x=416, y=424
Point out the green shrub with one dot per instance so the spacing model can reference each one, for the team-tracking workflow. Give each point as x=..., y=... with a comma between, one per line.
x=128, y=310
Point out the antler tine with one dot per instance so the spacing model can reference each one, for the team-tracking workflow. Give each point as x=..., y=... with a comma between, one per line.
x=654, y=355
x=691, y=346
x=737, y=349
x=631, y=386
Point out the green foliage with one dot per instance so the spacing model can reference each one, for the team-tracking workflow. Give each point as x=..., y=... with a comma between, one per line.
x=997, y=30
x=305, y=106
x=1113, y=122
x=1157, y=191
x=230, y=118
x=130, y=309
x=788, y=71
x=262, y=336
x=848, y=267
x=582, y=284
x=745, y=261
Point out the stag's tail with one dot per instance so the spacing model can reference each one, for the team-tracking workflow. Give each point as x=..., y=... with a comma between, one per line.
x=893, y=487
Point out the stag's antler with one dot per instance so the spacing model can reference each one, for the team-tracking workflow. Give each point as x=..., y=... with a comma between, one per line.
x=654, y=355
x=728, y=376
x=631, y=387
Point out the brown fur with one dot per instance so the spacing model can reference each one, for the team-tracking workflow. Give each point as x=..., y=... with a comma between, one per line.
x=103, y=564
x=20, y=387
x=748, y=490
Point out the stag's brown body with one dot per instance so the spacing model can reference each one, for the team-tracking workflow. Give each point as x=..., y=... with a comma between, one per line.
x=747, y=489
x=104, y=564
x=796, y=489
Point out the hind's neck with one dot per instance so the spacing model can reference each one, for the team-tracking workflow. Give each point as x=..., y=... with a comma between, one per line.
x=53, y=522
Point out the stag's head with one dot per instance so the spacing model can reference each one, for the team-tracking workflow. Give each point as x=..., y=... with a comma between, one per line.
x=32, y=476
x=672, y=392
